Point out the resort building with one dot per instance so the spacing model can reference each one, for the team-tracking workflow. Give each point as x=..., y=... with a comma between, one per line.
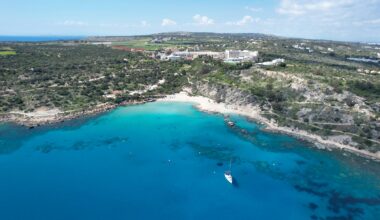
x=229, y=56
x=195, y=54
x=237, y=56
x=275, y=62
x=173, y=57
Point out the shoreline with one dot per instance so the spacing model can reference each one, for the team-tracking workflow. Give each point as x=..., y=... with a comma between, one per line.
x=39, y=118
x=254, y=113
x=201, y=103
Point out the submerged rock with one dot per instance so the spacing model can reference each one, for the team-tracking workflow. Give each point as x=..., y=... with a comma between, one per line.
x=313, y=206
x=231, y=124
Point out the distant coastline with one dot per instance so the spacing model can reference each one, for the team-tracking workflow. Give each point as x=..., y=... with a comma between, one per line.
x=39, y=38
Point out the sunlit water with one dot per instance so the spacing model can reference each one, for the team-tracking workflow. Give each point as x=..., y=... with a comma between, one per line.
x=166, y=161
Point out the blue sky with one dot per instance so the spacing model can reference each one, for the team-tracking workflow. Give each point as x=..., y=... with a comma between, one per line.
x=353, y=20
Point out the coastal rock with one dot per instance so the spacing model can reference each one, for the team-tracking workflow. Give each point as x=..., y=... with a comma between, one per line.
x=335, y=119
x=223, y=93
x=231, y=124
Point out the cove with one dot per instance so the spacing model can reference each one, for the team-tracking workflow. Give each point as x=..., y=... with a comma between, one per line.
x=166, y=161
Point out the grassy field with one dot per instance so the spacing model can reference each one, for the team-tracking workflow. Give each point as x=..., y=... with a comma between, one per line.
x=147, y=45
x=7, y=53
x=142, y=43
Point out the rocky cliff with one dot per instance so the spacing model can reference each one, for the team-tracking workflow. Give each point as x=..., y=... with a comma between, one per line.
x=340, y=117
x=224, y=93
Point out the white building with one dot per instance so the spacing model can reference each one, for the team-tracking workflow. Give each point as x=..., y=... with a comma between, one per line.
x=275, y=62
x=195, y=54
x=170, y=57
x=215, y=55
x=102, y=43
x=229, y=56
x=240, y=55
x=233, y=60
x=173, y=57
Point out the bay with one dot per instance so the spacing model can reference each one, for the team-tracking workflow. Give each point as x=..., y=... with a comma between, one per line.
x=166, y=161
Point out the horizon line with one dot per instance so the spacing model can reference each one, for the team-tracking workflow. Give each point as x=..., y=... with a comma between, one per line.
x=189, y=32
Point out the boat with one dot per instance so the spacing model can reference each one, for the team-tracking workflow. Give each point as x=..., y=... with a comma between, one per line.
x=228, y=175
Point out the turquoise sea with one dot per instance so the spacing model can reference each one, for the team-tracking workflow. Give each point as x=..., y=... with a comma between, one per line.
x=166, y=161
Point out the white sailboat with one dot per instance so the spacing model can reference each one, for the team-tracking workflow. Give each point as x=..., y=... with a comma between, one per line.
x=228, y=175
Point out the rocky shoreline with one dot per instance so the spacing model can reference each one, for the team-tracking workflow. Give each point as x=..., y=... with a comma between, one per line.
x=32, y=122
x=253, y=113
x=203, y=104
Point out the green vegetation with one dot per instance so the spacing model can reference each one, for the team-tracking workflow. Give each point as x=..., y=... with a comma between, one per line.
x=78, y=76
x=143, y=43
x=318, y=89
x=7, y=53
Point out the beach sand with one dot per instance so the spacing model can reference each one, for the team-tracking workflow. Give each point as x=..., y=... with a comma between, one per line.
x=46, y=116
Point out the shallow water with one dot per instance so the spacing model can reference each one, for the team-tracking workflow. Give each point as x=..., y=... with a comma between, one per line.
x=166, y=161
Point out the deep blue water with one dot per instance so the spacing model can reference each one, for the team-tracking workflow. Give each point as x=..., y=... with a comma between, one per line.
x=37, y=38
x=166, y=161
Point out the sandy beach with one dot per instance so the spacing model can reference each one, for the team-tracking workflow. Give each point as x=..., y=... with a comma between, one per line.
x=48, y=116
x=252, y=112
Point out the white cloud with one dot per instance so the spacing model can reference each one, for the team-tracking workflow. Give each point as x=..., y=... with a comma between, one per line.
x=74, y=23
x=202, y=20
x=329, y=19
x=368, y=22
x=253, y=9
x=244, y=21
x=300, y=7
x=339, y=13
x=168, y=22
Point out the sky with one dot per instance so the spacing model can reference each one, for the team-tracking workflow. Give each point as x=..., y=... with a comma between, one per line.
x=346, y=20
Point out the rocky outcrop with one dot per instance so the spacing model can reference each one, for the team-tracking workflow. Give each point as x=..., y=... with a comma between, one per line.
x=223, y=93
x=335, y=121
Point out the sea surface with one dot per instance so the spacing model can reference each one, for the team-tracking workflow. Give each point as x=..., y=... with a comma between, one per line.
x=166, y=161
x=37, y=38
